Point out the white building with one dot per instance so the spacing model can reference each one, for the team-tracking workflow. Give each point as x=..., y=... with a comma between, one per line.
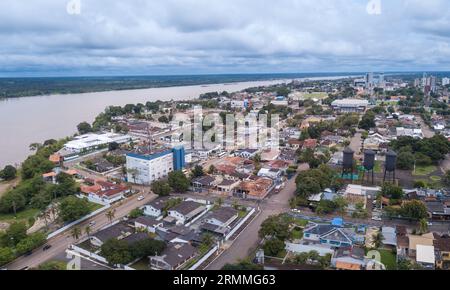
x=187, y=211
x=145, y=169
x=350, y=105
x=90, y=142
x=445, y=81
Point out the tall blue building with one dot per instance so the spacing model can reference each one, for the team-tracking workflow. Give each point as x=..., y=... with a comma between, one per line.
x=179, y=156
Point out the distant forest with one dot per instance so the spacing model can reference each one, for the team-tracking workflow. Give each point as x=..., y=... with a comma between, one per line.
x=23, y=87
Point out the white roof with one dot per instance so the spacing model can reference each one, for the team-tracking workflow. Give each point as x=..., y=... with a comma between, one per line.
x=350, y=103
x=425, y=254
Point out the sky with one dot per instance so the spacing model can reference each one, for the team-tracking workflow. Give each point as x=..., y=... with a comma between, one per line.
x=169, y=37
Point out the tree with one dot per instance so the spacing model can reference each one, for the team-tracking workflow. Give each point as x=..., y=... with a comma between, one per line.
x=341, y=205
x=116, y=252
x=110, y=214
x=414, y=209
x=8, y=173
x=73, y=208
x=16, y=232
x=87, y=231
x=392, y=191
x=276, y=227
x=135, y=213
x=367, y=121
x=446, y=178
x=212, y=169
x=30, y=243
x=52, y=266
x=6, y=255
x=244, y=265
x=377, y=239
x=113, y=146
x=197, y=171
x=84, y=128
x=405, y=160
x=148, y=247
x=12, y=202
x=75, y=233
x=178, y=181
x=273, y=247
x=161, y=188
x=163, y=119
x=423, y=226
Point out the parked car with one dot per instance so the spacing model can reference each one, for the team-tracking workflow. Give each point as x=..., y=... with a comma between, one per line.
x=140, y=198
x=91, y=224
x=46, y=247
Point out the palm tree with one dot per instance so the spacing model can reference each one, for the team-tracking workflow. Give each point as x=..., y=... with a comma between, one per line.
x=87, y=230
x=111, y=214
x=377, y=239
x=423, y=226
x=35, y=146
x=76, y=233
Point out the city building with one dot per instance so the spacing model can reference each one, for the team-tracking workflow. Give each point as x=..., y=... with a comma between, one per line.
x=145, y=169
x=350, y=105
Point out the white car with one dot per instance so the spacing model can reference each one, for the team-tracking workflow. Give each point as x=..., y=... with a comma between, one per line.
x=92, y=224
x=376, y=218
x=141, y=198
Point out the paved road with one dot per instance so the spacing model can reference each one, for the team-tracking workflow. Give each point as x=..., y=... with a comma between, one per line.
x=248, y=239
x=61, y=242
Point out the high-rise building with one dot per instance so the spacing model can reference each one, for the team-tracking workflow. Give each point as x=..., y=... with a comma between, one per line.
x=445, y=81
x=369, y=80
x=145, y=169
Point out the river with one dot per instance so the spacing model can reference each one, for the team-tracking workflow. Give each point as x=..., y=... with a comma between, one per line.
x=35, y=119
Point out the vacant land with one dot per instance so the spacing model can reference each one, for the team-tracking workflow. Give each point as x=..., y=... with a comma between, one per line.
x=315, y=95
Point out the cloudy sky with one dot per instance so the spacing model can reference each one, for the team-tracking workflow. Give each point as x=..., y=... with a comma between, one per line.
x=109, y=37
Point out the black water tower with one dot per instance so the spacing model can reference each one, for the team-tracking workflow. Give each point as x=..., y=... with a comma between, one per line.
x=390, y=164
x=369, y=164
x=347, y=167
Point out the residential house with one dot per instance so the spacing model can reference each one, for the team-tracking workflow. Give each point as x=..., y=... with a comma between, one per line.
x=147, y=223
x=203, y=183
x=222, y=217
x=173, y=257
x=187, y=211
x=272, y=173
x=254, y=189
x=105, y=192
x=155, y=207
x=226, y=187
x=327, y=235
x=442, y=250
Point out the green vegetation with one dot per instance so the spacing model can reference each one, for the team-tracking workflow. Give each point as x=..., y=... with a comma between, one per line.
x=244, y=265
x=316, y=180
x=135, y=213
x=53, y=266
x=15, y=242
x=161, y=188
x=178, y=181
x=424, y=170
x=8, y=173
x=388, y=258
x=73, y=208
x=119, y=252
x=425, y=150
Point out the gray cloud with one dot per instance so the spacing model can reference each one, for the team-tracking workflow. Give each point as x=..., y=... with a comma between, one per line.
x=222, y=36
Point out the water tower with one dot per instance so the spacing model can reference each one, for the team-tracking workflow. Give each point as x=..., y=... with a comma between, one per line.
x=390, y=165
x=347, y=167
x=369, y=165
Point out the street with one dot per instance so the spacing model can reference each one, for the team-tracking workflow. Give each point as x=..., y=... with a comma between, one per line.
x=248, y=239
x=61, y=242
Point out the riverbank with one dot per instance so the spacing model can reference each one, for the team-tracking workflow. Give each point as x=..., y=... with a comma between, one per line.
x=39, y=118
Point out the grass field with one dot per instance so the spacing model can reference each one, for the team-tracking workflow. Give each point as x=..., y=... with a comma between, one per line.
x=315, y=95
x=424, y=170
x=24, y=215
x=388, y=258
